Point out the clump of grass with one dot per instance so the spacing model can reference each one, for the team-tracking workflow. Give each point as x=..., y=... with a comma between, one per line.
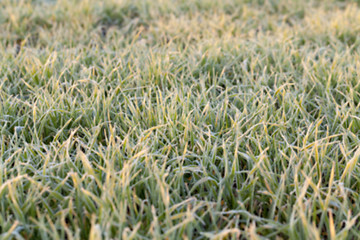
x=190, y=120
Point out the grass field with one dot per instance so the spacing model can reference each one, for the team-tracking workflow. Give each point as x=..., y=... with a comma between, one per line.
x=176, y=119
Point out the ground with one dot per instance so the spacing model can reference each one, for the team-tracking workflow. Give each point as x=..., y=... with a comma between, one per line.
x=175, y=119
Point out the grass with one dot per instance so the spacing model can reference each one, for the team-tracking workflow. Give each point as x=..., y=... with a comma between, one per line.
x=179, y=119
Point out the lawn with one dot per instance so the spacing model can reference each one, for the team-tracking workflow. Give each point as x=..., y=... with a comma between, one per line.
x=179, y=119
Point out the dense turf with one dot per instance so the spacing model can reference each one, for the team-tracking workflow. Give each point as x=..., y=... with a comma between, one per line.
x=179, y=119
